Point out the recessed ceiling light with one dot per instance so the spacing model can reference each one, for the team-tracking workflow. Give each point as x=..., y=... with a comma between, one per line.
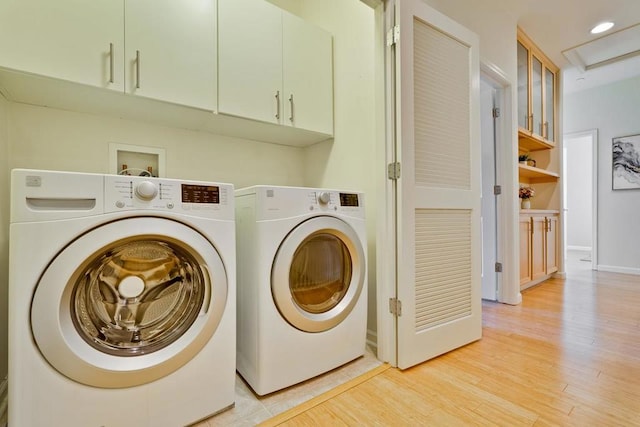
x=601, y=28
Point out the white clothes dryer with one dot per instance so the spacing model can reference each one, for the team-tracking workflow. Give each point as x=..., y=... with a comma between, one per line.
x=121, y=300
x=302, y=283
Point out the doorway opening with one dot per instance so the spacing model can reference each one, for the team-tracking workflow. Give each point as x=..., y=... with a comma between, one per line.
x=580, y=200
x=492, y=122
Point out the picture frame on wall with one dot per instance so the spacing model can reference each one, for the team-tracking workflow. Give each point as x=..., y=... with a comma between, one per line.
x=625, y=155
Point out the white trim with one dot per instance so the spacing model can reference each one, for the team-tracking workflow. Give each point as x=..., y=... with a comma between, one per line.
x=386, y=229
x=3, y=402
x=372, y=341
x=616, y=269
x=507, y=209
x=578, y=248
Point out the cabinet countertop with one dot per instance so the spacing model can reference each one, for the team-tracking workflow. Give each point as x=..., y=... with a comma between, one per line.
x=539, y=212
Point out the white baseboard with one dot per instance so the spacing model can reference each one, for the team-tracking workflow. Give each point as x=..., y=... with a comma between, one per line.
x=578, y=248
x=3, y=403
x=616, y=269
x=372, y=341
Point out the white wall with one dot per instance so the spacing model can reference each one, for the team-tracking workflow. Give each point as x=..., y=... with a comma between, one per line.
x=613, y=110
x=579, y=217
x=4, y=234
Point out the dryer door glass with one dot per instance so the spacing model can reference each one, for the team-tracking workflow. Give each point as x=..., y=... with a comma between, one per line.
x=320, y=272
x=137, y=297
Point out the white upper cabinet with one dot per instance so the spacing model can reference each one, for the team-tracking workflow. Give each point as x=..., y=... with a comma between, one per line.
x=250, y=59
x=166, y=51
x=75, y=40
x=170, y=51
x=307, y=75
x=274, y=67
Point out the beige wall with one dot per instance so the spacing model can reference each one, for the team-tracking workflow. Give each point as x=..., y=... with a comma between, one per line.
x=45, y=138
x=349, y=160
x=4, y=234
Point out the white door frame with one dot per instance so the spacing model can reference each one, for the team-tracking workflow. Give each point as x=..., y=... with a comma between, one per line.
x=506, y=176
x=593, y=133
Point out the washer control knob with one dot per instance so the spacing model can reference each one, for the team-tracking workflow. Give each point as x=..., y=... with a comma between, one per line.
x=324, y=198
x=146, y=190
x=120, y=204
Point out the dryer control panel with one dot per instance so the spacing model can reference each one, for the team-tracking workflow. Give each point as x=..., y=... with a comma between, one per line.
x=195, y=197
x=282, y=202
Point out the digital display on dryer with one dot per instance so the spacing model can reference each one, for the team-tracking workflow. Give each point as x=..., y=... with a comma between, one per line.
x=200, y=193
x=348, y=199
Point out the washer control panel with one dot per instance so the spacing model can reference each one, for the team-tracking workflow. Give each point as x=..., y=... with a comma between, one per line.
x=135, y=193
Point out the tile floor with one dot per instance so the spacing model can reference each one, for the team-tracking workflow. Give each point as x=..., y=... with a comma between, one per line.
x=251, y=409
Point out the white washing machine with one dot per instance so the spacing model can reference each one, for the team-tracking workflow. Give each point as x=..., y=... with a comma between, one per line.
x=121, y=300
x=302, y=283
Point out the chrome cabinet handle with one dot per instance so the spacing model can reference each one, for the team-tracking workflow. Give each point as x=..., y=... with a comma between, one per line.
x=137, y=69
x=291, y=102
x=278, y=104
x=110, y=62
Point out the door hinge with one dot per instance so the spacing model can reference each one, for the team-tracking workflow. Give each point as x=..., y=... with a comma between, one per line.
x=497, y=190
x=393, y=35
x=496, y=113
x=498, y=267
x=395, y=307
x=393, y=171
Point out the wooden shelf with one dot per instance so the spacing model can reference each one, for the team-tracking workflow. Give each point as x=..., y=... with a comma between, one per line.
x=537, y=175
x=528, y=141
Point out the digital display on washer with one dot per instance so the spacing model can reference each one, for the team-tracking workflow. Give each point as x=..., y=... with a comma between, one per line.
x=200, y=193
x=348, y=199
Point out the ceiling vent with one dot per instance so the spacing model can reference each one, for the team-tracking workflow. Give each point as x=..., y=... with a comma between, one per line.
x=605, y=50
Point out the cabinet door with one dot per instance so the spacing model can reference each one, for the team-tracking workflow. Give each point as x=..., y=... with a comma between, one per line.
x=75, y=40
x=171, y=51
x=549, y=105
x=525, y=250
x=523, y=87
x=552, y=245
x=538, y=247
x=536, y=96
x=250, y=60
x=307, y=75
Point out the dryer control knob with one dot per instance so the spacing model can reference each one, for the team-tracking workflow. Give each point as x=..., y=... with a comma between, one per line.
x=324, y=198
x=146, y=190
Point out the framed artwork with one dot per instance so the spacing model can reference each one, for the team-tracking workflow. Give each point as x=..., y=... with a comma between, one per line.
x=626, y=162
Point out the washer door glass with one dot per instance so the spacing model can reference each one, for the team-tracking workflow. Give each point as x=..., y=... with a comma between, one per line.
x=138, y=296
x=318, y=274
x=129, y=302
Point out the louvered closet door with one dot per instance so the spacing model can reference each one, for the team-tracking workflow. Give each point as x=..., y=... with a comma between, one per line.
x=438, y=145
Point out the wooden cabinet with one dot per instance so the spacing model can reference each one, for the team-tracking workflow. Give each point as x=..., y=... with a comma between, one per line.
x=537, y=96
x=76, y=40
x=169, y=52
x=552, y=240
x=538, y=247
x=525, y=249
x=292, y=58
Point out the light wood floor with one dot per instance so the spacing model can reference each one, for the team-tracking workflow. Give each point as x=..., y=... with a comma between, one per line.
x=569, y=355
